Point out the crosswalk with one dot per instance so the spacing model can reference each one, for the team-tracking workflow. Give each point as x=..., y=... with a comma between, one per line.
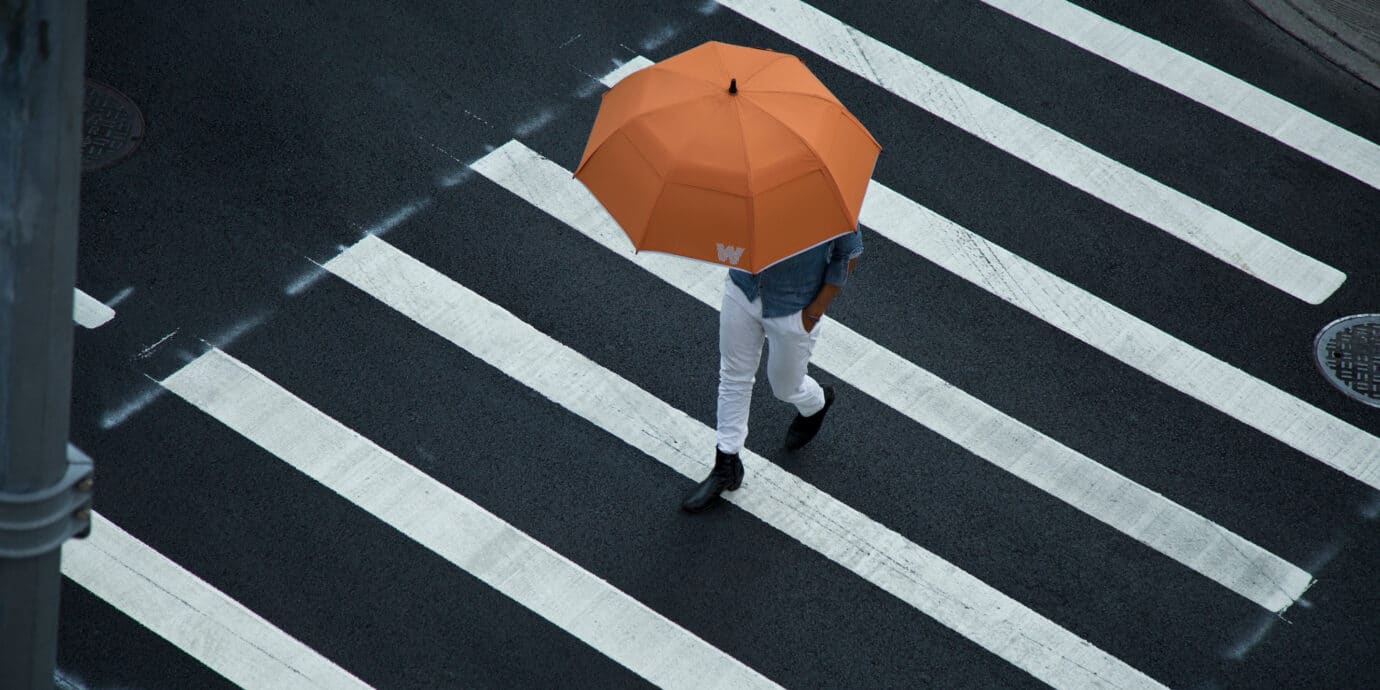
x=1203, y=83
x=1184, y=217
x=430, y=513
x=200, y=620
x=884, y=557
x=977, y=426
x=846, y=542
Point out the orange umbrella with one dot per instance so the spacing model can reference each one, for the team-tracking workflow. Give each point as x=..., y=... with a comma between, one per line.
x=732, y=155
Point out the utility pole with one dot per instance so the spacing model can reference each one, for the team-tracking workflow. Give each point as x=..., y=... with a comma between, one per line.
x=44, y=496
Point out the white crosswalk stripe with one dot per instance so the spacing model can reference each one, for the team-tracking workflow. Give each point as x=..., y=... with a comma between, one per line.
x=199, y=619
x=453, y=526
x=1136, y=511
x=88, y=311
x=624, y=70
x=845, y=535
x=1178, y=214
x=1251, y=106
x=1075, y=311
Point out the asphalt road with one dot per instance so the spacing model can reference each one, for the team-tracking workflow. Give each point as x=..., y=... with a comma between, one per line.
x=280, y=133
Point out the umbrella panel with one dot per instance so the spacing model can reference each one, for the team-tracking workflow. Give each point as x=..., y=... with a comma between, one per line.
x=702, y=224
x=625, y=182
x=795, y=216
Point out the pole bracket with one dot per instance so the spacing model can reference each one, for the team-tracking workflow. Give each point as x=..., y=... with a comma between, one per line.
x=37, y=522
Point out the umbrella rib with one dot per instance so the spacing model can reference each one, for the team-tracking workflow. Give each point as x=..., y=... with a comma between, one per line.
x=824, y=168
x=639, y=116
x=747, y=160
x=662, y=68
x=642, y=227
x=719, y=55
x=831, y=101
x=689, y=185
x=668, y=106
x=779, y=58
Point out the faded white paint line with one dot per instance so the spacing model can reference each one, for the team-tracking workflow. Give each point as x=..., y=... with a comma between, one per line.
x=309, y=278
x=1178, y=214
x=453, y=526
x=1081, y=314
x=192, y=615
x=121, y=414
x=871, y=550
x=624, y=70
x=1238, y=650
x=438, y=147
x=1371, y=509
x=1184, y=74
x=119, y=297
x=148, y=351
x=455, y=178
x=1132, y=509
x=659, y=37
x=1325, y=554
x=67, y=680
x=237, y=330
x=88, y=311
x=535, y=123
x=397, y=217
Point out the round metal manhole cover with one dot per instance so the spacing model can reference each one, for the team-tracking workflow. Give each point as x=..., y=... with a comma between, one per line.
x=1348, y=354
x=111, y=126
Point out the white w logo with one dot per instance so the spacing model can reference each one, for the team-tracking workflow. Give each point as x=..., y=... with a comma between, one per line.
x=729, y=254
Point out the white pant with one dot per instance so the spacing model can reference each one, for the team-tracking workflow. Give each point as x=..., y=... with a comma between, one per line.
x=742, y=330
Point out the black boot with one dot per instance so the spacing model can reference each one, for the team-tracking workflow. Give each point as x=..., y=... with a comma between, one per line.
x=803, y=429
x=727, y=475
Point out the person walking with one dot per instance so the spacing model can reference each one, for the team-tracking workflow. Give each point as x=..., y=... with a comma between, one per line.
x=781, y=305
x=740, y=157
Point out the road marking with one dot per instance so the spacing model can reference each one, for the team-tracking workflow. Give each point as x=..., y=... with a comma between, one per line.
x=1142, y=514
x=148, y=351
x=624, y=70
x=453, y=526
x=876, y=553
x=1186, y=75
x=307, y=279
x=121, y=414
x=119, y=297
x=192, y=615
x=1081, y=314
x=1178, y=214
x=88, y=311
x=228, y=335
x=398, y=216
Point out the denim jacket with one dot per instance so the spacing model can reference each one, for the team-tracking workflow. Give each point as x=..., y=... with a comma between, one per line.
x=789, y=286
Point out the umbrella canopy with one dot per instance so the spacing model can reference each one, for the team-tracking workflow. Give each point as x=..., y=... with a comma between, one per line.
x=732, y=155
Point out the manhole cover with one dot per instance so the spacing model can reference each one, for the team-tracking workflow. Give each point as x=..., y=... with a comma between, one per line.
x=1348, y=354
x=111, y=126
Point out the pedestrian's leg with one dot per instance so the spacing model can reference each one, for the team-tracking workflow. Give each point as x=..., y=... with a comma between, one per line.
x=740, y=351
x=788, y=359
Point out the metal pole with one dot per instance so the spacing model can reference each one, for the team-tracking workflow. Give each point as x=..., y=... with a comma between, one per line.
x=41, y=86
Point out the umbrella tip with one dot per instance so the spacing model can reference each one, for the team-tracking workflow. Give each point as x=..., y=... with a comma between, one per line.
x=733, y=86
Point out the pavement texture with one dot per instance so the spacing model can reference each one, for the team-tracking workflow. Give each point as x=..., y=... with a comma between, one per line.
x=1346, y=32
x=279, y=133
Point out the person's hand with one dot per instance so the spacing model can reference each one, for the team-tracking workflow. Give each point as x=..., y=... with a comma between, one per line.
x=807, y=322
